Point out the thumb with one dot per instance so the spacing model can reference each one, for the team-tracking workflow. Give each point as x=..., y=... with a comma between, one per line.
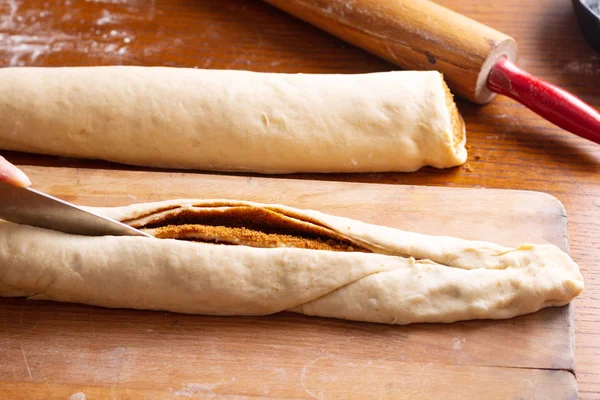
x=12, y=175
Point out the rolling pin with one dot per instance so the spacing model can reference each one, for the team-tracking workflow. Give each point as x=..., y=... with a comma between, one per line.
x=476, y=60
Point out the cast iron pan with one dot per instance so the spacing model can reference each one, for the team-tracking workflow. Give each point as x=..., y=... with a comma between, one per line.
x=588, y=16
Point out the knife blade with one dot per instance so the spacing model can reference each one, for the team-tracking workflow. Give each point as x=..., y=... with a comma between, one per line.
x=31, y=207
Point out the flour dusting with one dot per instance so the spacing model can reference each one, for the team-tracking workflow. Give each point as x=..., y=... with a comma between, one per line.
x=107, y=1
x=457, y=345
x=588, y=68
x=29, y=34
x=192, y=388
x=106, y=18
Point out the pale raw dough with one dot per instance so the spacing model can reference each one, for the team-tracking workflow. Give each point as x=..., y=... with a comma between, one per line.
x=408, y=277
x=233, y=120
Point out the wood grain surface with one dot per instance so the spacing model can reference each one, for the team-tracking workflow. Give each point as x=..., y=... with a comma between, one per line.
x=510, y=147
x=418, y=35
x=115, y=352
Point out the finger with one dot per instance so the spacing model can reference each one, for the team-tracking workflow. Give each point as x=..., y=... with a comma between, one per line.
x=12, y=175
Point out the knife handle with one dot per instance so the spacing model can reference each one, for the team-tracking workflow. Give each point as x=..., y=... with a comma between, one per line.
x=415, y=34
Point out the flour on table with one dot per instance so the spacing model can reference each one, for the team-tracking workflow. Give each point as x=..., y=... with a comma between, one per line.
x=28, y=34
x=192, y=389
x=588, y=67
x=108, y=1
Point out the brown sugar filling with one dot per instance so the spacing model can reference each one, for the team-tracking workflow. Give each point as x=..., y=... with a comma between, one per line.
x=458, y=124
x=247, y=226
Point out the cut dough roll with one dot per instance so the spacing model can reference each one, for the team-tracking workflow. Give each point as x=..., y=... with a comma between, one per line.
x=233, y=120
x=228, y=257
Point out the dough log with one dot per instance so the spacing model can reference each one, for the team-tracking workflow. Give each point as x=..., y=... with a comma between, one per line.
x=228, y=257
x=233, y=120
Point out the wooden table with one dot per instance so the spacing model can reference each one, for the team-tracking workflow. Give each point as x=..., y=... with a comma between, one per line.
x=510, y=147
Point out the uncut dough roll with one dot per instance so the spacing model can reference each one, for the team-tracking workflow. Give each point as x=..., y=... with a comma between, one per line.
x=229, y=257
x=233, y=120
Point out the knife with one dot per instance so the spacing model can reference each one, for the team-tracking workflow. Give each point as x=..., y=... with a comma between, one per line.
x=32, y=207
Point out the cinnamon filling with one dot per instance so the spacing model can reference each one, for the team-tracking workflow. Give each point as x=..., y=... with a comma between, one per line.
x=246, y=226
x=458, y=124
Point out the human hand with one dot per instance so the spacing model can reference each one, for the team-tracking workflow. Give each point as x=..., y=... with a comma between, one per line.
x=12, y=175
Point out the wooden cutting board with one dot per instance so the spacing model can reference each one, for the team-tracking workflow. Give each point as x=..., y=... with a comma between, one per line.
x=54, y=350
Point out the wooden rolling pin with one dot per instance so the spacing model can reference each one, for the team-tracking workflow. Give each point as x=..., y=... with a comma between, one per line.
x=476, y=60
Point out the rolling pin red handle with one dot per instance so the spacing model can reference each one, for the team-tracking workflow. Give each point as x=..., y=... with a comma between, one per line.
x=554, y=104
